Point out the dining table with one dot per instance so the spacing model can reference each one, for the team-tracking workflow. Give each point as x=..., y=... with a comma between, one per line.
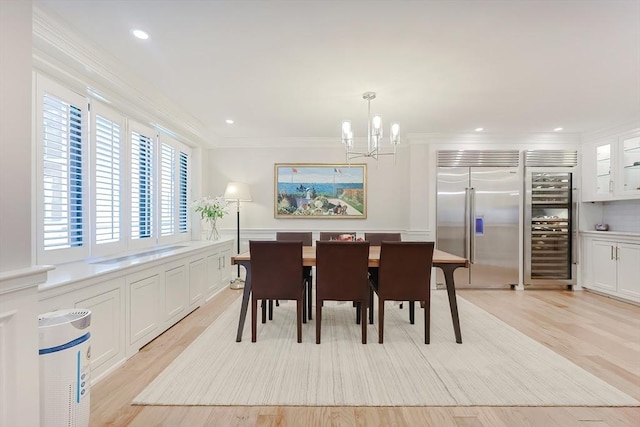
x=445, y=261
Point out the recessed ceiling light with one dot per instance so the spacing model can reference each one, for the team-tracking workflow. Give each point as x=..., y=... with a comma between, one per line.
x=557, y=129
x=479, y=129
x=229, y=121
x=140, y=34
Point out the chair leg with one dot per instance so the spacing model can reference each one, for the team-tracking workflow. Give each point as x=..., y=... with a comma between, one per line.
x=412, y=312
x=427, y=322
x=304, y=305
x=299, y=309
x=271, y=309
x=358, y=312
x=310, y=296
x=380, y=319
x=363, y=310
x=254, y=318
x=264, y=311
x=318, y=320
x=370, y=306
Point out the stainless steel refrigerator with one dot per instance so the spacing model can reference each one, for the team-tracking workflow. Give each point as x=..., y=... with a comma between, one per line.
x=550, y=237
x=478, y=215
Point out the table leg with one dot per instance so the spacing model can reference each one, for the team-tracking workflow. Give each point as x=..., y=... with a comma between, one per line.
x=245, y=300
x=448, y=270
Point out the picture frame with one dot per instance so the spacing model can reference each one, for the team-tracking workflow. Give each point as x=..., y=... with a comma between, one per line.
x=320, y=190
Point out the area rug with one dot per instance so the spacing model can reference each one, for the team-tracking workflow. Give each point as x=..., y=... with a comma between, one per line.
x=495, y=365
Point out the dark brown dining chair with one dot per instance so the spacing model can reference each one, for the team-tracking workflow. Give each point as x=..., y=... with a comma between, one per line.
x=333, y=235
x=404, y=275
x=306, y=237
x=341, y=275
x=375, y=239
x=276, y=274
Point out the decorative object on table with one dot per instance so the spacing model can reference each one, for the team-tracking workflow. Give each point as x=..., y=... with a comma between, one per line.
x=238, y=192
x=602, y=227
x=374, y=135
x=319, y=190
x=210, y=209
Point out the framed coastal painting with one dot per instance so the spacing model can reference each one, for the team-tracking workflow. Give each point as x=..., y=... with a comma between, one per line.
x=320, y=190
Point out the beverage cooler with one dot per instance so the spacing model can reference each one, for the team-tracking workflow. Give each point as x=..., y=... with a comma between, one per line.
x=550, y=227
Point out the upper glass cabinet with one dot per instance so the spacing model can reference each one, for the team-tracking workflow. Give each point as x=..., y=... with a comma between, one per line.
x=630, y=163
x=603, y=169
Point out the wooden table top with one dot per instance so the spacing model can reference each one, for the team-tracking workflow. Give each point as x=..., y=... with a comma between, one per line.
x=309, y=257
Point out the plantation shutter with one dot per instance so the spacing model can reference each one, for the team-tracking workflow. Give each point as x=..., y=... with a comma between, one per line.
x=167, y=190
x=141, y=186
x=108, y=145
x=183, y=203
x=62, y=174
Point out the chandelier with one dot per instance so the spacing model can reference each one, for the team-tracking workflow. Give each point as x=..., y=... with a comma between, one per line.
x=374, y=135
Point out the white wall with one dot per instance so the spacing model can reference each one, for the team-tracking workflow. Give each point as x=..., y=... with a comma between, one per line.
x=15, y=134
x=388, y=188
x=19, y=380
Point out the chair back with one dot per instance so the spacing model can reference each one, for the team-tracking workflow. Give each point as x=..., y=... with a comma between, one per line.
x=276, y=269
x=342, y=270
x=304, y=236
x=375, y=239
x=334, y=235
x=405, y=270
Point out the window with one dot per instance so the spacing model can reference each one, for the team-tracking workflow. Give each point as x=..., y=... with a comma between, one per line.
x=167, y=190
x=174, y=187
x=61, y=183
x=183, y=193
x=104, y=184
x=107, y=153
x=141, y=176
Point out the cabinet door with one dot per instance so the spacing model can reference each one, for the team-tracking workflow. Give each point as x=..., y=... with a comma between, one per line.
x=214, y=265
x=629, y=270
x=144, y=310
x=596, y=171
x=603, y=265
x=225, y=268
x=106, y=313
x=197, y=282
x=603, y=169
x=175, y=293
x=630, y=165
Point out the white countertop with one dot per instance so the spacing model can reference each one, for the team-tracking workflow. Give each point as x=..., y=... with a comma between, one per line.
x=610, y=233
x=75, y=271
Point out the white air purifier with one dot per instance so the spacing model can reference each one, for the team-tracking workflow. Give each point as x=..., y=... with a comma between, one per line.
x=65, y=353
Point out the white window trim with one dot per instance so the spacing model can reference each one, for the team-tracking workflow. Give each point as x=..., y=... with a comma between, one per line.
x=57, y=256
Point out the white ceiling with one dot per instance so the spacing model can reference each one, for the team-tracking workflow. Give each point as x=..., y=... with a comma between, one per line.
x=297, y=68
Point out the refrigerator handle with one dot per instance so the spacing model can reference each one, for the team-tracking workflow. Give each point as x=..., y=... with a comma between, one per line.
x=576, y=227
x=472, y=223
x=466, y=222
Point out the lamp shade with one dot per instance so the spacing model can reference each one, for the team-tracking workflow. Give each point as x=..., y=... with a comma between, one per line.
x=237, y=191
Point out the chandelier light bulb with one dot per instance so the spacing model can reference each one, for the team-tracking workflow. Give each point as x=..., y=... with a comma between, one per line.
x=395, y=133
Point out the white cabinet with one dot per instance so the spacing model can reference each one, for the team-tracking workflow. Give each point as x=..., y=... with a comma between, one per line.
x=176, y=293
x=197, y=282
x=613, y=266
x=106, y=332
x=218, y=272
x=611, y=168
x=144, y=311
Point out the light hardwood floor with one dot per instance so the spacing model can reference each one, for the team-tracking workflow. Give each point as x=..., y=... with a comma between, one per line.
x=600, y=334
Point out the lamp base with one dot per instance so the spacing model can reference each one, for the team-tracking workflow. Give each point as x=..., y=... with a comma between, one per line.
x=237, y=283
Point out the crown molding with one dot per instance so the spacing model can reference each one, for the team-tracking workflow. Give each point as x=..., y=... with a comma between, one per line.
x=60, y=53
x=611, y=132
